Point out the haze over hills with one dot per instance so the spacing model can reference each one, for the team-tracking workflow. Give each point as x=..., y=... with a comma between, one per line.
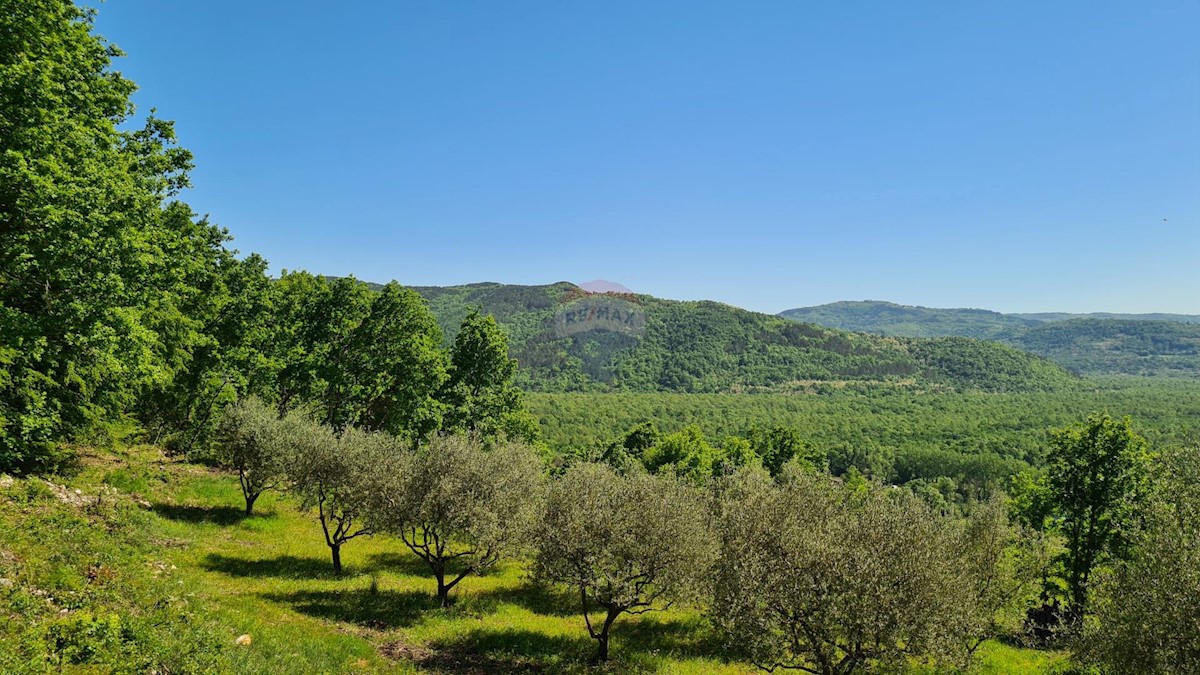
x=1091, y=344
x=603, y=286
x=567, y=339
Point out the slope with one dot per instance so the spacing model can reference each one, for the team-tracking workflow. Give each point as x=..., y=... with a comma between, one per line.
x=568, y=340
x=1095, y=344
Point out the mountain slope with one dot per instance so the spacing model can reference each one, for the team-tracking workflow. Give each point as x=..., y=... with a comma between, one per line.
x=568, y=340
x=1094, y=344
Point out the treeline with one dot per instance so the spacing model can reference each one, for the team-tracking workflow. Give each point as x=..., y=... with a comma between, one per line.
x=1095, y=344
x=123, y=310
x=709, y=347
x=797, y=569
x=952, y=446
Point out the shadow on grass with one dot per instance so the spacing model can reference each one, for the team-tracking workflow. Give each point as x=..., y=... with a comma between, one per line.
x=637, y=646
x=508, y=650
x=537, y=598
x=400, y=563
x=283, y=567
x=219, y=515
x=379, y=610
x=683, y=638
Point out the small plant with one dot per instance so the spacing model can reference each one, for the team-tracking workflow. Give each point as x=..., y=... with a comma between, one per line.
x=83, y=637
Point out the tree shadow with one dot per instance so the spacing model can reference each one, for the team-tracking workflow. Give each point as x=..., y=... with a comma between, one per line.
x=378, y=610
x=538, y=598
x=186, y=513
x=686, y=638
x=508, y=650
x=399, y=563
x=284, y=566
x=641, y=645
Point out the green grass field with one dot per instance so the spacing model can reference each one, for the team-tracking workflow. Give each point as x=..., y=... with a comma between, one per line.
x=269, y=576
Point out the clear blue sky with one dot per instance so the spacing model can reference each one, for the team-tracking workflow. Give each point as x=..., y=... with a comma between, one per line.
x=1018, y=156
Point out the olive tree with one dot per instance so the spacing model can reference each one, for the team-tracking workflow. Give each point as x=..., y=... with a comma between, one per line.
x=1004, y=562
x=342, y=477
x=255, y=443
x=821, y=579
x=1147, y=609
x=461, y=507
x=624, y=543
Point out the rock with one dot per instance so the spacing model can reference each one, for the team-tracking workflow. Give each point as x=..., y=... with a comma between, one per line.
x=6, y=481
x=67, y=495
x=6, y=583
x=244, y=639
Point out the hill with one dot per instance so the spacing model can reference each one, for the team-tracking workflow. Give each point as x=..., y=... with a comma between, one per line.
x=1090, y=344
x=568, y=340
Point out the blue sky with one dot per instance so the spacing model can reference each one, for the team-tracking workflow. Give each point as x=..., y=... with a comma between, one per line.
x=1018, y=156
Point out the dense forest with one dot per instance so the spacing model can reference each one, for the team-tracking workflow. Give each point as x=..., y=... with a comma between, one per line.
x=1090, y=344
x=709, y=347
x=207, y=468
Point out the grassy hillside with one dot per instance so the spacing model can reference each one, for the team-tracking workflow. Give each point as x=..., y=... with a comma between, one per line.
x=1094, y=344
x=567, y=340
x=145, y=564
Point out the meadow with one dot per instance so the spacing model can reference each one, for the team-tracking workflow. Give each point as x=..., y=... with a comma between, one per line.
x=188, y=549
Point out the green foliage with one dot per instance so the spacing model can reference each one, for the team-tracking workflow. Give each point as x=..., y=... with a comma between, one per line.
x=256, y=444
x=101, y=275
x=480, y=394
x=1094, y=344
x=386, y=372
x=832, y=579
x=711, y=347
x=1146, y=607
x=461, y=507
x=1005, y=563
x=344, y=478
x=684, y=453
x=976, y=439
x=1095, y=473
x=623, y=544
x=779, y=445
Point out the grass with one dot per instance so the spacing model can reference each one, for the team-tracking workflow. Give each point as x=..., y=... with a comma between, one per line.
x=269, y=576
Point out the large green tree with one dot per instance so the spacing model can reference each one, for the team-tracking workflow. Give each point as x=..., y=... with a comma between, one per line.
x=386, y=373
x=1148, y=606
x=480, y=394
x=100, y=272
x=1095, y=472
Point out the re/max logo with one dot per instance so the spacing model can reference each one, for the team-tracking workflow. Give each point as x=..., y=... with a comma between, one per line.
x=600, y=313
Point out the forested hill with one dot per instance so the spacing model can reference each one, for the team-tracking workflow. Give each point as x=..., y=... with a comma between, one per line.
x=1090, y=344
x=568, y=340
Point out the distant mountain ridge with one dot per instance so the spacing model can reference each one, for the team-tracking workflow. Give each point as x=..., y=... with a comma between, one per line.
x=567, y=339
x=1091, y=344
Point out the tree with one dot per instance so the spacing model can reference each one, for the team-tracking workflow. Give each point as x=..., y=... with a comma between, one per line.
x=1147, y=618
x=343, y=478
x=735, y=453
x=257, y=445
x=684, y=453
x=461, y=507
x=1095, y=472
x=626, y=544
x=779, y=445
x=88, y=318
x=386, y=374
x=480, y=392
x=1004, y=563
x=814, y=578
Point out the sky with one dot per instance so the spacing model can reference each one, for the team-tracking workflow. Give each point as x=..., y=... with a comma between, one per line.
x=1015, y=156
